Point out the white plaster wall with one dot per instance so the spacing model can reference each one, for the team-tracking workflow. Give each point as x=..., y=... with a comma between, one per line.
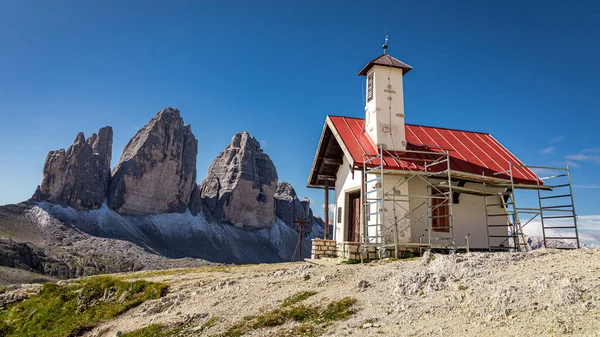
x=344, y=183
x=396, y=223
x=469, y=213
x=469, y=217
x=384, y=127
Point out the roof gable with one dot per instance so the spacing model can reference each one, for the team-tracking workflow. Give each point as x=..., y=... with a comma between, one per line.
x=385, y=60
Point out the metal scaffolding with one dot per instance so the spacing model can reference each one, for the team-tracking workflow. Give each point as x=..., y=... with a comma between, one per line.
x=390, y=207
x=434, y=171
x=555, y=211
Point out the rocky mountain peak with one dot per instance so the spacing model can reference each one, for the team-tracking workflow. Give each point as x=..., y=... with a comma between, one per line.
x=157, y=169
x=285, y=191
x=240, y=184
x=79, y=176
x=289, y=208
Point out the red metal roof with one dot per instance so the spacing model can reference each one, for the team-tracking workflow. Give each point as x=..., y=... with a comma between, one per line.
x=470, y=152
x=388, y=61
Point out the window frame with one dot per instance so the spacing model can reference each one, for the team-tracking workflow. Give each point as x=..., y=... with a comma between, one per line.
x=370, y=87
x=440, y=213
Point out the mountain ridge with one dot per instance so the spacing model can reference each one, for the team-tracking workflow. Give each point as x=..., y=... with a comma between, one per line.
x=153, y=214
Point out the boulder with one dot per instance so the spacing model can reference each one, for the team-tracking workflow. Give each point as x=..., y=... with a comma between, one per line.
x=157, y=170
x=240, y=185
x=78, y=177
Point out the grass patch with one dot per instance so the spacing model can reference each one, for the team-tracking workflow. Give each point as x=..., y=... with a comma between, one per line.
x=351, y=261
x=170, y=272
x=313, y=319
x=156, y=330
x=338, y=310
x=2, y=289
x=74, y=308
x=153, y=330
x=210, y=323
x=297, y=297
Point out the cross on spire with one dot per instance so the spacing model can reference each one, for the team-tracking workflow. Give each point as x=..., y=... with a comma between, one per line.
x=385, y=45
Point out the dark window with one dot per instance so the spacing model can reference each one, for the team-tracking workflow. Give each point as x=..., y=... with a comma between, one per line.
x=370, y=87
x=440, y=212
x=339, y=215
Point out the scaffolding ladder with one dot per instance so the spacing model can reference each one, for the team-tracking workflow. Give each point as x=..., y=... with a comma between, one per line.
x=557, y=210
x=511, y=221
x=374, y=200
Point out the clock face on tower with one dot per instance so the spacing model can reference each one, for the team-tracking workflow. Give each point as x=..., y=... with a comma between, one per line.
x=370, y=87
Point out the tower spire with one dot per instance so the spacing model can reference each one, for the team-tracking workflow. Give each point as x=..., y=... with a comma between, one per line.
x=385, y=45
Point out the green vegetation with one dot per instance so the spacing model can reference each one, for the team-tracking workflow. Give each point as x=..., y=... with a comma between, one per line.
x=170, y=272
x=153, y=330
x=2, y=289
x=156, y=330
x=74, y=308
x=297, y=297
x=306, y=277
x=338, y=310
x=210, y=323
x=351, y=261
x=313, y=318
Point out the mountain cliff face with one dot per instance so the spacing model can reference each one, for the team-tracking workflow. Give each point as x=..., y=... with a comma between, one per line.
x=150, y=213
x=79, y=176
x=240, y=184
x=157, y=170
x=290, y=209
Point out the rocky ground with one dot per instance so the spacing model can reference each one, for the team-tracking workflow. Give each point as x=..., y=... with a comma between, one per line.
x=544, y=292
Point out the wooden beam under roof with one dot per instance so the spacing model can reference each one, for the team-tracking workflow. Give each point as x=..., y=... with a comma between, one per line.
x=326, y=177
x=333, y=161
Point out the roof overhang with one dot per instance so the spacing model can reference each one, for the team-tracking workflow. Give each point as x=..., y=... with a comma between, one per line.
x=328, y=157
x=469, y=153
x=386, y=61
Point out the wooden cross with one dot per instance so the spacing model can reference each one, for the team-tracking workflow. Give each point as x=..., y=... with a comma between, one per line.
x=302, y=220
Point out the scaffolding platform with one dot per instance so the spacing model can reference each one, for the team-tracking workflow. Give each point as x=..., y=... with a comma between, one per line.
x=504, y=226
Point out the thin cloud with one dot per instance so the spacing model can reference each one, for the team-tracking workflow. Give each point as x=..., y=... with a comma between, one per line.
x=590, y=155
x=331, y=207
x=588, y=226
x=572, y=163
x=587, y=186
x=592, y=150
x=579, y=156
x=557, y=139
x=549, y=149
x=584, y=157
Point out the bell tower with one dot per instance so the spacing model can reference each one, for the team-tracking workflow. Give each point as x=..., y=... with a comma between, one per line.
x=384, y=109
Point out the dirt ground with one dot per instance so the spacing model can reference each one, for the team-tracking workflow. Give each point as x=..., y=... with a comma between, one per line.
x=540, y=293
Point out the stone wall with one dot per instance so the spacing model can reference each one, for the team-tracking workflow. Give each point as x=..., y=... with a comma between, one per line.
x=346, y=250
x=323, y=249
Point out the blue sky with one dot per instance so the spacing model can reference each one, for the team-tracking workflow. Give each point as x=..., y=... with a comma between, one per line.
x=527, y=72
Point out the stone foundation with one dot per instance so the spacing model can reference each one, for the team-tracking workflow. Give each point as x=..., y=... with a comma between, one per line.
x=346, y=250
x=323, y=249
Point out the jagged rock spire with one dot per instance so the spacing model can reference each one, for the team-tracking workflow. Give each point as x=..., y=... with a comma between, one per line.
x=79, y=176
x=157, y=169
x=240, y=184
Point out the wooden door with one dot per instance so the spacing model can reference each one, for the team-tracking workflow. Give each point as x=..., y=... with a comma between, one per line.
x=353, y=217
